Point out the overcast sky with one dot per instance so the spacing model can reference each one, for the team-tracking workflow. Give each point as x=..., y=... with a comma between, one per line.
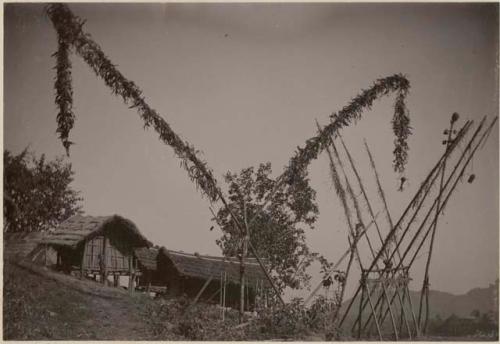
x=244, y=83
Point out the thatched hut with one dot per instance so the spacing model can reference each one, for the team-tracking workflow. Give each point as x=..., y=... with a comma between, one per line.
x=20, y=246
x=202, y=276
x=97, y=246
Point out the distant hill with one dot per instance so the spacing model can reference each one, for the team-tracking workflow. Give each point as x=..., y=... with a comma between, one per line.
x=445, y=304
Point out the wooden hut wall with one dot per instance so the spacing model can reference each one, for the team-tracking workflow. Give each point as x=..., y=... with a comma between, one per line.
x=167, y=275
x=117, y=258
x=69, y=259
x=178, y=285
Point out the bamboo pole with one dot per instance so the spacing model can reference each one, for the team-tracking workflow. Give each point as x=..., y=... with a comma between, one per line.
x=391, y=224
x=486, y=132
x=224, y=297
x=363, y=284
x=462, y=171
x=341, y=193
x=457, y=179
x=242, y=263
x=363, y=280
x=336, y=265
x=202, y=289
x=361, y=187
x=425, y=285
x=370, y=210
x=358, y=215
x=420, y=194
x=429, y=211
x=220, y=295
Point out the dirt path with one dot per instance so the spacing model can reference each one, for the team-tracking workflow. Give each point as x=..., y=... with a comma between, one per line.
x=118, y=319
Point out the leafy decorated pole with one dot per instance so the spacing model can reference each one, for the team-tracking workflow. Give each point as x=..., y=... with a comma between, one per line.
x=71, y=36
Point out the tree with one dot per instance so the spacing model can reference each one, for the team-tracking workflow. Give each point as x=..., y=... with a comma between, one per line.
x=278, y=232
x=37, y=193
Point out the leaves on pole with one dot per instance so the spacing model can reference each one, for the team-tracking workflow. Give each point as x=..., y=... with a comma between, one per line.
x=352, y=112
x=70, y=33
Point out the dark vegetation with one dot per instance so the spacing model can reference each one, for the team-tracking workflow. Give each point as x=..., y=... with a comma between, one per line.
x=37, y=192
x=480, y=325
x=277, y=231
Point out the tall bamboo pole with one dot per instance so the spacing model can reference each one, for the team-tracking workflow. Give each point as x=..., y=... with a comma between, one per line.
x=425, y=285
x=468, y=148
x=244, y=249
x=370, y=210
x=420, y=194
x=391, y=224
x=360, y=221
x=410, y=245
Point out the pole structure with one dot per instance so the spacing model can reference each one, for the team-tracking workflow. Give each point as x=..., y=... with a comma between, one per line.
x=452, y=189
x=370, y=210
x=449, y=179
x=391, y=224
x=420, y=194
x=360, y=221
x=410, y=245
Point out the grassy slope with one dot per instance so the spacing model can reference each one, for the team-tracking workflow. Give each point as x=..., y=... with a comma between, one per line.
x=42, y=305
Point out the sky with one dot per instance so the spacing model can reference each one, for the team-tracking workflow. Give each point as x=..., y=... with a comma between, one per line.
x=244, y=83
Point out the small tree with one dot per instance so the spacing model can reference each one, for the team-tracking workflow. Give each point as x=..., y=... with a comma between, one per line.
x=37, y=193
x=278, y=232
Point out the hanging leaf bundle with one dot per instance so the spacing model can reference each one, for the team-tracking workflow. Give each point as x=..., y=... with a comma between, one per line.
x=70, y=34
x=351, y=113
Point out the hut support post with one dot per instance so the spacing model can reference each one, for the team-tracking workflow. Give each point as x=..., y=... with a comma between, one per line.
x=131, y=274
x=360, y=305
x=224, y=297
x=104, y=273
x=244, y=252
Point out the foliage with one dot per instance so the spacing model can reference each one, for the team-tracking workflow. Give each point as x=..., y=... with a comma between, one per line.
x=37, y=192
x=352, y=112
x=278, y=231
x=70, y=34
x=177, y=319
x=454, y=326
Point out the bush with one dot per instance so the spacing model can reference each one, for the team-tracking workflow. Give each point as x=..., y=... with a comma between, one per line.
x=177, y=319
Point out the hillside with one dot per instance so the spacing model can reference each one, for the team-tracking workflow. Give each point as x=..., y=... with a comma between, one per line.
x=40, y=304
x=44, y=305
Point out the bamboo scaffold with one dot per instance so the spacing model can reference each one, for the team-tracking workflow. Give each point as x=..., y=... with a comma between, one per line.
x=399, y=275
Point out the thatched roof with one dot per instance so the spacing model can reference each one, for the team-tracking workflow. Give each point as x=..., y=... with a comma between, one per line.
x=147, y=257
x=202, y=266
x=20, y=245
x=77, y=228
